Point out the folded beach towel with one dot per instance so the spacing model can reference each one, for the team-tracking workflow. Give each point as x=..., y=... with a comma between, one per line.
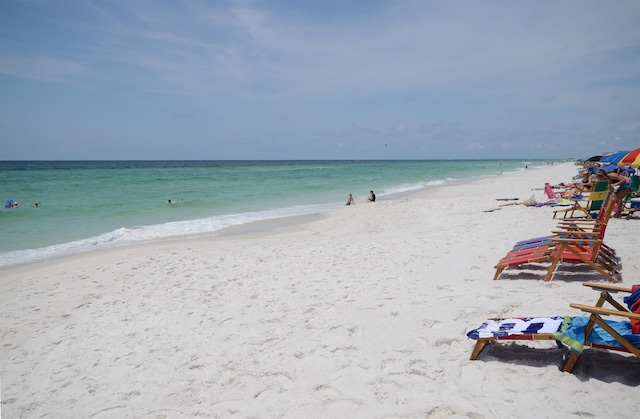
x=572, y=333
x=633, y=302
x=633, y=298
x=513, y=327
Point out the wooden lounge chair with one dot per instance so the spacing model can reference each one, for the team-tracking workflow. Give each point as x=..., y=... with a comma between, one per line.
x=594, y=331
x=574, y=247
x=578, y=241
x=583, y=224
x=589, y=228
x=571, y=250
x=589, y=252
x=625, y=343
x=594, y=203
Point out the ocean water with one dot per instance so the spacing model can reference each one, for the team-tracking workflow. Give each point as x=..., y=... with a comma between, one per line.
x=87, y=205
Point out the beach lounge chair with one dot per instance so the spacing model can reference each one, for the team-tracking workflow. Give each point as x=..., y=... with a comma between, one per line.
x=593, y=205
x=585, y=226
x=577, y=241
x=573, y=332
x=580, y=250
x=581, y=224
x=589, y=252
x=550, y=193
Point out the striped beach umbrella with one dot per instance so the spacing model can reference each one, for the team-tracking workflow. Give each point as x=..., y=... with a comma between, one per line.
x=614, y=157
x=631, y=159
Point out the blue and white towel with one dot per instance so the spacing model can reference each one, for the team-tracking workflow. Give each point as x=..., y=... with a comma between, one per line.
x=511, y=327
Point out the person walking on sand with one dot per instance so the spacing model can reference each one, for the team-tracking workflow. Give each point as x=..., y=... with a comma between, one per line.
x=350, y=200
x=372, y=197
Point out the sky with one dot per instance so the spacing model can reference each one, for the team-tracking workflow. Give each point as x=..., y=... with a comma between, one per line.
x=330, y=79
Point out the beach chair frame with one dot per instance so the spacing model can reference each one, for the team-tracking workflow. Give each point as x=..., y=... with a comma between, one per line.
x=596, y=312
x=575, y=241
x=595, y=201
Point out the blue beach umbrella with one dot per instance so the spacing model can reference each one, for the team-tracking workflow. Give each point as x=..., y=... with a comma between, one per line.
x=614, y=157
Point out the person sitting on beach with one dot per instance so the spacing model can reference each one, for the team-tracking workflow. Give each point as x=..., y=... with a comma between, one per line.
x=584, y=184
x=372, y=197
x=587, y=181
x=350, y=200
x=573, y=191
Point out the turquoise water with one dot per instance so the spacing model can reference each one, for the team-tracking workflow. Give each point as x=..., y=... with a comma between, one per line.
x=90, y=205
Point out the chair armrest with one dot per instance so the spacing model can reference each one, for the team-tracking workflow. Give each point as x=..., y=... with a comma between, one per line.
x=605, y=311
x=577, y=233
x=589, y=240
x=607, y=287
x=578, y=222
x=572, y=225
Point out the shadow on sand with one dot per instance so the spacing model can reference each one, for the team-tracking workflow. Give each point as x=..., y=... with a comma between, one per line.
x=594, y=364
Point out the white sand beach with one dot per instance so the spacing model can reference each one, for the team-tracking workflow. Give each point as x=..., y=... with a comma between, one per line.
x=361, y=314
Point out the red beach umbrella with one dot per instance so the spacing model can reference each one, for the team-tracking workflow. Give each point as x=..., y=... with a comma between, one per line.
x=631, y=159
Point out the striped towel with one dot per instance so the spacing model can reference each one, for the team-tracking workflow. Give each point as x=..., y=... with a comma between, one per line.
x=512, y=327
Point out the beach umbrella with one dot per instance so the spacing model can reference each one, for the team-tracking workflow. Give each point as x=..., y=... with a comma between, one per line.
x=614, y=157
x=594, y=158
x=631, y=159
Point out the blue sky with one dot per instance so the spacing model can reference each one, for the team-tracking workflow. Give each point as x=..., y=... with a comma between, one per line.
x=295, y=79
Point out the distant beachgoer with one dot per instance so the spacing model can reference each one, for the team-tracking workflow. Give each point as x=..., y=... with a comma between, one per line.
x=350, y=200
x=372, y=197
x=11, y=204
x=36, y=205
x=169, y=202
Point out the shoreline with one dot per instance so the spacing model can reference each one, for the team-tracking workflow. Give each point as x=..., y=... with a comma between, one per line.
x=102, y=220
x=262, y=225
x=362, y=311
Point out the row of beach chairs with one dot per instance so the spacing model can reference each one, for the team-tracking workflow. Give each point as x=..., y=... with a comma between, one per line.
x=579, y=239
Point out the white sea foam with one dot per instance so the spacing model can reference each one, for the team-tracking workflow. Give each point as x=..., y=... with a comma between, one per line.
x=127, y=236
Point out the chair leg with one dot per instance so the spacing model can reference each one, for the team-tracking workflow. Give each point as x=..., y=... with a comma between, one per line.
x=552, y=269
x=571, y=362
x=480, y=345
